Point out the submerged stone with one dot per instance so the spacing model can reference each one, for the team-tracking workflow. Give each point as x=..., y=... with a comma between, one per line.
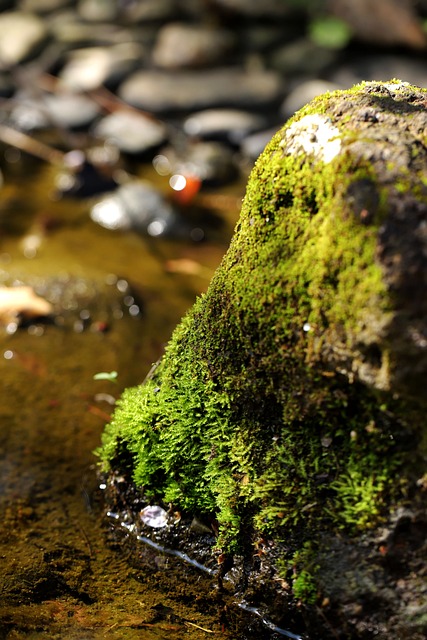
x=288, y=409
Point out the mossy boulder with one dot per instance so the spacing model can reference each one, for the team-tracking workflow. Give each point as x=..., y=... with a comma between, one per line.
x=288, y=409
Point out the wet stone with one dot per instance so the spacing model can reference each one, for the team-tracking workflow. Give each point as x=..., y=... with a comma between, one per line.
x=304, y=93
x=69, y=30
x=72, y=111
x=372, y=67
x=21, y=36
x=135, y=206
x=232, y=125
x=98, y=10
x=43, y=6
x=150, y=10
x=80, y=304
x=89, y=68
x=184, y=45
x=131, y=132
x=188, y=90
x=267, y=8
x=302, y=57
x=211, y=162
x=253, y=145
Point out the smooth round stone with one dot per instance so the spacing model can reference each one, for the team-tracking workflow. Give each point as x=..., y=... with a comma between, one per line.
x=304, y=93
x=302, y=56
x=7, y=87
x=150, y=10
x=89, y=68
x=98, y=10
x=260, y=38
x=187, y=45
x=43, y=6
x=264, y=8
x=252, y=146
x=67, y=110
x=225, y=124
x=71, y=110
x=372, y=67
x=21, y=36
x=131, y=132
x=160, y=91
x=135, y=206
x=211, y=162
x=68, y=29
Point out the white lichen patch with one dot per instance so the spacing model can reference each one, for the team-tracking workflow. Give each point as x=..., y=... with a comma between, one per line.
x=313, y=135
x=394, y=85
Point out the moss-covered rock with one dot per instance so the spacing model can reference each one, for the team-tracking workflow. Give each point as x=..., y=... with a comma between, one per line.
x=289, y=403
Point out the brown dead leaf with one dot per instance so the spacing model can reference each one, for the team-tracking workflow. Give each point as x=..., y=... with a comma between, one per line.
x=188, y=267
x=385, y=22
x=23, y=302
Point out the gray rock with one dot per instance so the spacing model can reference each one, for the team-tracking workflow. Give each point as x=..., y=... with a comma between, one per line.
x=253, y=145
x=21, y=36
x=150, y=10
x=302, y=57
x=131, y=132
x=229, y=124
x=7, y=86
x=43, y=6
x=259, y=37
x=305, y=92
x=71, y=109
x=266, y=8
x=210, y=162
x=67, y=110
x=98, y=10
x=187, y=45
x=67, y=28
x=370, y=67
x=160, y=91
x=92, y=67
x=135, y=206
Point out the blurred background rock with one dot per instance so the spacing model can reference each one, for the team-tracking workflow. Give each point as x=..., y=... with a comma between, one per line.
x=141, y=74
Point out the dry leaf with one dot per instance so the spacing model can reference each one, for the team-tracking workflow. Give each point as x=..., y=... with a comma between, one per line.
x=23, y=302
x=386, y=22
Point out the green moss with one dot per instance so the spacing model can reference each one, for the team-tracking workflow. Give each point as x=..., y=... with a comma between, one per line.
x=300, y=571
x=245, y=417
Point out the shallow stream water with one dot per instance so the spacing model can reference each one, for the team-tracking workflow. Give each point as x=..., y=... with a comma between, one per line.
x=116, y=297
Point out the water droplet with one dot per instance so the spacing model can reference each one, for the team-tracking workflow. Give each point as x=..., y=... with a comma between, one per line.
x=154, y=516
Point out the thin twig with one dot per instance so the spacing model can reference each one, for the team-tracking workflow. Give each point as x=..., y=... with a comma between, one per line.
x=187, y=622
x=30, y=145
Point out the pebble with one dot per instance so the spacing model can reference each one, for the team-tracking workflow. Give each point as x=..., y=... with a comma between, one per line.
x=265, y=9
x=131, y=132
x=253, y=145
x=154, y=516
x=386, y=66
x=223, y=71
x=150, y=11
x=158, y=91
x=304, y=93
x=135, y=206
x=232, y=125
x=21, y=36
x=302, y=57
x=42, y=6
x=96, y=11
x=89, y=68
x=67, y=110
x=211, y=162
x=186, y=45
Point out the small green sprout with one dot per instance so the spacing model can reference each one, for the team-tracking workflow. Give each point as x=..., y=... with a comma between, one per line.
x=105, y=375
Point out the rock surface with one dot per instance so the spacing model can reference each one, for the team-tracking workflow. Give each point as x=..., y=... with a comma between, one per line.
x=288, y=410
